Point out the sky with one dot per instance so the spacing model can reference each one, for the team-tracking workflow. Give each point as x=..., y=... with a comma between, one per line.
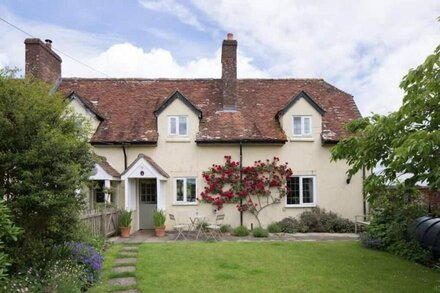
x=362, y=47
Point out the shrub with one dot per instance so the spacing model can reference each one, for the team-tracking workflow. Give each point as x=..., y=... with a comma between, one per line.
x=9, y=233
x=240, y=231
x=260, y=232
x=85, y=255
x=225, y=228
x=274, y=228
x=289, y=225
x=29, y=281
x=391, y=213
x=368, y=241
x=319, y=220
x=86, y=235
x=65, y=276
x=124, y=218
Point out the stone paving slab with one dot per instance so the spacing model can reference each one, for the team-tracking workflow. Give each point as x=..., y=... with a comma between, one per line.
x=124, y=269
x=125, y=260
x=128, y=281
x=128, y=253
x=129, y=248
x=146, y=236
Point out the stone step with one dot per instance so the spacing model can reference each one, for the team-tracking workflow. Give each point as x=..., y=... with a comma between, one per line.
x=125, y=260
x=129, y=248
x=128, y=253
x=128, y=281
x=124, y=269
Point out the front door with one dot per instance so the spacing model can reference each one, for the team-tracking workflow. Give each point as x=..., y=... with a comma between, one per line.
x=147, y=202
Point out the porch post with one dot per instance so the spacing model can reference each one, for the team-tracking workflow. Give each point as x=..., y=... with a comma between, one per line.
x=127, y=191
x=160, y=195
x=106, y=194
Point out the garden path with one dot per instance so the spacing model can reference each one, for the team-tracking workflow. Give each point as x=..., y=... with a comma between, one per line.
x=123, y=276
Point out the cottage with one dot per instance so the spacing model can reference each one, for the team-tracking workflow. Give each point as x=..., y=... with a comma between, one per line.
x=157, y=136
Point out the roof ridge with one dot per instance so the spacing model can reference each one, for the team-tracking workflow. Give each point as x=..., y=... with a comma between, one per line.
x=186, y=79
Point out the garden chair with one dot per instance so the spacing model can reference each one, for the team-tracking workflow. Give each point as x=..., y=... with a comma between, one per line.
x=178, y=227
x=214, y=230
x=361, y=220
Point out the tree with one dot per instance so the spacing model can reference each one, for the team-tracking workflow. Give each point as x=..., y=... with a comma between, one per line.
x=45, y=158
x=253, y=192
x=406, y=143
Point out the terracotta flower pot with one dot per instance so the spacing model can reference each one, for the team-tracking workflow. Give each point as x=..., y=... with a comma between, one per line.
x=160, y=231
x=125, y=232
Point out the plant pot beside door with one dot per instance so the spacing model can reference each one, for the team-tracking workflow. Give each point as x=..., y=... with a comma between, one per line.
x=125, y=223
x=159, y=222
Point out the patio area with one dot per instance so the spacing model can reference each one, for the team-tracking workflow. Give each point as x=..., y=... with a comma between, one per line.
x=147, y=236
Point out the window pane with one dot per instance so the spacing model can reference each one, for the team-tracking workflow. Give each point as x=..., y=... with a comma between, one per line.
x=182, y=126
x=297, y=125
x=307, y=125
x=191, y=190
x=293, y=190
x=173, y=128
x=99, y=191
x=307, y=190
x=179, y=189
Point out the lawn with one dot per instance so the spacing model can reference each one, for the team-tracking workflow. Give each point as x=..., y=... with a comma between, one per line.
x=277, y=267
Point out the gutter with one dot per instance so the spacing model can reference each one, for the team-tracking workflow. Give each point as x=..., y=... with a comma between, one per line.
x=123, y=142
x=243, y=141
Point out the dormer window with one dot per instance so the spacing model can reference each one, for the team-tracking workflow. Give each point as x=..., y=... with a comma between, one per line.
x=178, y=125
x=302, y=125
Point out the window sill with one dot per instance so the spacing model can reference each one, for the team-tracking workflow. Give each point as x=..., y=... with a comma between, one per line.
x=185, y=204
x=177, y=139
x=309, y=205
x=302, y=138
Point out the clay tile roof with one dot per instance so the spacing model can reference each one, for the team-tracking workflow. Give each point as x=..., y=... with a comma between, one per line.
x=128, y=107
x=107, y=167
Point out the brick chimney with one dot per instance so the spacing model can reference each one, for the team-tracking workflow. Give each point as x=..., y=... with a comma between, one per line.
x=41, y=61
x=229, y=73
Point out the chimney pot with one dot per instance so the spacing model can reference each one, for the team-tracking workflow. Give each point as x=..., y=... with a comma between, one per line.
x=230, y=36
x=48, y=43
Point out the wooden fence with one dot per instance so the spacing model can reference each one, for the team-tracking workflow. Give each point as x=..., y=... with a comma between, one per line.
x=102, y=222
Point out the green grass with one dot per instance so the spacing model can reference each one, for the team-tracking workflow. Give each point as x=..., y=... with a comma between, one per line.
x=342, y=266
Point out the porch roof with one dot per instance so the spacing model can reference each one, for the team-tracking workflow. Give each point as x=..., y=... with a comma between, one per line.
x=149, y=161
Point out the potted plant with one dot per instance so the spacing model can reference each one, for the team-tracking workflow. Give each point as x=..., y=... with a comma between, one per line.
x=125, y=223
x=159, y=222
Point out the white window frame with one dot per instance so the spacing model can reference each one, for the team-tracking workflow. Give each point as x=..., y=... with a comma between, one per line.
x=177, y=117
x=303, y=130
x=301, y=195
x=185, y=196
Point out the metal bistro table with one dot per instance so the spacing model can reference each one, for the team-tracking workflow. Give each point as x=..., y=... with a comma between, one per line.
x=197, y=220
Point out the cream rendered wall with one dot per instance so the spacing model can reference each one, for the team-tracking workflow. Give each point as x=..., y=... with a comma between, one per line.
x=182, y=157
x=90, y=118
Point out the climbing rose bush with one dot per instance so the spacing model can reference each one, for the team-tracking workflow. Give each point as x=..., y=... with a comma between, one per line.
x=255, y=190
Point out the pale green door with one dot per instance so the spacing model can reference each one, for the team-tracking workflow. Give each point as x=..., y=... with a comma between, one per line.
x=147, y=202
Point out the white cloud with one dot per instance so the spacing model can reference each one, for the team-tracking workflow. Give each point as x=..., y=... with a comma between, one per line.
x=363, y=47
x=175, y=8
x=127, y=60
x=115, y=60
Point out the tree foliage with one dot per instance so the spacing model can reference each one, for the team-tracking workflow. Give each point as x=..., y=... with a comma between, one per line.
x=44, y=159
x=405, y=142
